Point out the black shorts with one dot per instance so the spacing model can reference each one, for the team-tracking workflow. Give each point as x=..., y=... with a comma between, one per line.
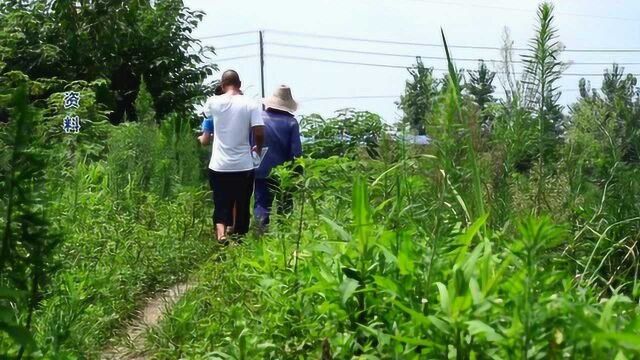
x=232, y=189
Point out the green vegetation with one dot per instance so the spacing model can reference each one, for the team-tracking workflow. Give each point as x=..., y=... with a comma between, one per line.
x=119, y=42
x=513, y=234
x=92, y=222
x=502, y=239
x=95, y=221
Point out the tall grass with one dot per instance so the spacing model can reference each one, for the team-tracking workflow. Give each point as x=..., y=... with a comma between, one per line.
x=413, y=265
x=27, y=239
x=125, y=206
x=391, y=250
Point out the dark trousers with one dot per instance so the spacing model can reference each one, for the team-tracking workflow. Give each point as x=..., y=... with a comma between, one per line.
x=266, y=190
x=232, y=189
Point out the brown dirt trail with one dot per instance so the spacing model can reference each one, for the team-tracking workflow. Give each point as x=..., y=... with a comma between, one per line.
x=131, y=345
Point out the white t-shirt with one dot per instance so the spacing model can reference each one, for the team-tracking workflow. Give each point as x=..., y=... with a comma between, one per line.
x=234, y=116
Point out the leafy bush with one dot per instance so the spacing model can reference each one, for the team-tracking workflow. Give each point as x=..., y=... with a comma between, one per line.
x=344, y=134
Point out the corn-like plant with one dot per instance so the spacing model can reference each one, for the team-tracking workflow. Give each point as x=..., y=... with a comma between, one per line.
x=455, y=98
x=25, y=234
x=542, y=71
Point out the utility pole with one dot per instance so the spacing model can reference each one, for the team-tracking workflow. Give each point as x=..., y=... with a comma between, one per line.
x=261, y=62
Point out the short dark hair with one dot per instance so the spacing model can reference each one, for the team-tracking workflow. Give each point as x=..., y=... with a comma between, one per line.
x=230, y=78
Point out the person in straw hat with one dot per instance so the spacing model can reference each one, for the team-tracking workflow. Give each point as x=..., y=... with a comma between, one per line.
x=282, y=134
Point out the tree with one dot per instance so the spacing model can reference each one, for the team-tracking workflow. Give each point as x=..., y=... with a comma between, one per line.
x=480, y=86
x=419, y=97
x=621, y=99
x=120, y=41
x=618, y=124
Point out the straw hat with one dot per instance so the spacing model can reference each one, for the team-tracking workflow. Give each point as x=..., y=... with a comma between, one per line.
x=281, y=100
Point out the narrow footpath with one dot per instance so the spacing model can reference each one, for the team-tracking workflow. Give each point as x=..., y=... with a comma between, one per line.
x=130, y=345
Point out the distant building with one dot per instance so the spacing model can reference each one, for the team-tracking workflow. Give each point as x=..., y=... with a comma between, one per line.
x=412, y=139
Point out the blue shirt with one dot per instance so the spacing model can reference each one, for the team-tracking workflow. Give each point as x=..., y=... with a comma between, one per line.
x=207, y=125
x=282, y=137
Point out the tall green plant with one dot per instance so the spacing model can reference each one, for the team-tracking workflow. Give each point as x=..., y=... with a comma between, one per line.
x=144, y=106
x=455, y=96
x=25, y=234
x=542, y=71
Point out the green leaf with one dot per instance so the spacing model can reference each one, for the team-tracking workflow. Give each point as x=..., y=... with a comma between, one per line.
x=413, y=341
x=470, y=264
x=347, y=289
x=477, y=327
x=415, y=315
x=626, y=340
x=474, y=288
x=620, y=356
x=316, y=288
x=375, y=182
x=342, y=233
x=467, y=237
x=453, y=73
x=386, y=284
x=405, y=264
x=445, y=303
x=607, y=312
x=18, y=333
x=439, y=324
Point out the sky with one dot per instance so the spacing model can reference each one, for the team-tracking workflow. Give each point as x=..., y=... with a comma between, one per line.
x=319, y=86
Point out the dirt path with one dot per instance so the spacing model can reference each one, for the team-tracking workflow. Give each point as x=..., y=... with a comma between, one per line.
x=132, y=344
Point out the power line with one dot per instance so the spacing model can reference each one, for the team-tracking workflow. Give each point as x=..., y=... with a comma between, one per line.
x=393, y=42
x=235, y=58
x=348, y=97
x=604, y=51
x=323, y=98
x=376, y=64
x=525, y=10
x=235, y=46
x=228, y=35
x=398, y=66
x=342, y=62
x=570, y=62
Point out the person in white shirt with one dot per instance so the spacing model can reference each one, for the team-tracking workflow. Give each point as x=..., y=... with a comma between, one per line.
x=238, y=119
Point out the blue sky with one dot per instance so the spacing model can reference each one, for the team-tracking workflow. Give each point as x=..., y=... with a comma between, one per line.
x=583, y=24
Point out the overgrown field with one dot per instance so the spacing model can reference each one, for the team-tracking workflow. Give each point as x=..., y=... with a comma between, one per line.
x=512, y=235
x=92, y=223
x=385, y=260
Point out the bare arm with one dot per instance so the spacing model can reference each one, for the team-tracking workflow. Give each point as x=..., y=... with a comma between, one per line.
x=258, y=138
x=205, y=138
x=257, y=129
